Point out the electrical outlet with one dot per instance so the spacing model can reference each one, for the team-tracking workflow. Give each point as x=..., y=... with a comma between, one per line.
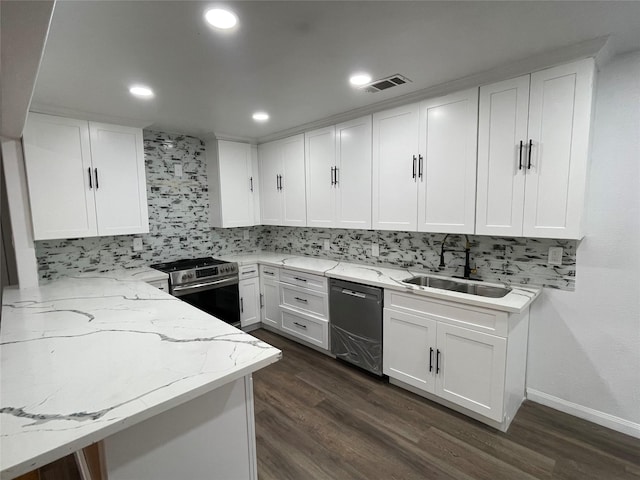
x=137, y=244
x=326, y=245
x=555, y=256
x=246, y=234
x=375, y=250
x=177, y=169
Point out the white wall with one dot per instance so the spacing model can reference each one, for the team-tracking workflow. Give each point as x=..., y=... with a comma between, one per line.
x=584, y=346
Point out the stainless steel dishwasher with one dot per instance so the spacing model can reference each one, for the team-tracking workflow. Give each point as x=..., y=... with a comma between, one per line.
x=355, y=312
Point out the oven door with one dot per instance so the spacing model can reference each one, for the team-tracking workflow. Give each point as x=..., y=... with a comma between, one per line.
x=219, y=298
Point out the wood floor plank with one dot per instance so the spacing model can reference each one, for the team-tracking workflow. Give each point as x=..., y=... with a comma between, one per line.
x=324, y=413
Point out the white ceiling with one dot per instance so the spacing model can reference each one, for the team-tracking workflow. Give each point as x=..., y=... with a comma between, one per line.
x=291, y=59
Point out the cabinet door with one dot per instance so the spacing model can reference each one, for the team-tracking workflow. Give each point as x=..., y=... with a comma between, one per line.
x=559, y=122
x=294, y=205
x=249, y=301
x=353, y=174
x=320, y=160
x=270, y=197
x=395, y=175
x=58, y=166
x=472, y=369
x=120, y=180
x=447, y=184
x=409, y=349
x=236, y=198
x=255, y=184
x=502, y=140
x=271, y=303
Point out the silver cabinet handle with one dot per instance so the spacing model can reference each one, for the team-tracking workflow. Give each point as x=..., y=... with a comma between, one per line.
x=300, y=279
x=300, y=325
x=241, y=305
x=303, y=300
x=261, y=300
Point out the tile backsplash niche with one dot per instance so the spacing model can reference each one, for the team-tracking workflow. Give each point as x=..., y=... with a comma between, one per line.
x=500, y=259
x=179, y=228
x=178, y=219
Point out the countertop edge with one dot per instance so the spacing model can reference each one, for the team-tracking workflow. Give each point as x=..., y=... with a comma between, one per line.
x=14, y=471
x=275, y=259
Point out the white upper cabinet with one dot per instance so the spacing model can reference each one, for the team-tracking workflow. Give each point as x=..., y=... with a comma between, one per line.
x=395, y=168
x=502, y=133
x=338, y=175
x=320, y=160
x=352, y=175
x=447, y=172
x=85, y=179
x=536, y=190
x=120, y=181
x=282, y=182
x=424, y=165
x=232, y=183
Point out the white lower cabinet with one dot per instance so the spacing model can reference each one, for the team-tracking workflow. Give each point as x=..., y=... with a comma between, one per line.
x=469, y=358
x=249, y=301
x=270, y=297
x=296, y=304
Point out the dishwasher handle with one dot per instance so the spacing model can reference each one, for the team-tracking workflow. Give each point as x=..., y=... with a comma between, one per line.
x=353, y=294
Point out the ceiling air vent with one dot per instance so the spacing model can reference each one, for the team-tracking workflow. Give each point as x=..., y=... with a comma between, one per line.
x=384, y=83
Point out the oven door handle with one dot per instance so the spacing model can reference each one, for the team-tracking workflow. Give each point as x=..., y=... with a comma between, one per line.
x=200, y=287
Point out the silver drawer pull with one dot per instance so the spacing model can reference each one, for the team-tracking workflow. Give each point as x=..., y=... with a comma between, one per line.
x=249, y=271
x=300, y=325
x=353, y=294
x=301, y=299
x=300, y=279
x=269, y=273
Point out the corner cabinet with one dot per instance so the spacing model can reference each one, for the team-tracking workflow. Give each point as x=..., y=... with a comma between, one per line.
x=85, y=178
x=338, y=175
x=533, y=141
x=471, y=359
x=424, y=165
x=282, y=178
x=233, y=183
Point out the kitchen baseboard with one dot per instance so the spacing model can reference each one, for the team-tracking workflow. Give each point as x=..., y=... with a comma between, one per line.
x=606, y=420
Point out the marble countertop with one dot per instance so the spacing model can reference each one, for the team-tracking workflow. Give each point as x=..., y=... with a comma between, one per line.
x=515, y=301
x=86, y=357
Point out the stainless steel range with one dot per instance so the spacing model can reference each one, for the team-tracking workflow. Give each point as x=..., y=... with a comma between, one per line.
x=206, y=283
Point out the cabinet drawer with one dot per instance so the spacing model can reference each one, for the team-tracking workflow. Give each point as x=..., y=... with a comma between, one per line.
x=306, y=300
x=248, y=271
x=306, y=280
x=305, y=327
x=271, y=273
x=477, y=318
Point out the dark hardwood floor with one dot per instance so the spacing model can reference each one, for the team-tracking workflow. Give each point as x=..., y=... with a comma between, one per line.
x=317, y=418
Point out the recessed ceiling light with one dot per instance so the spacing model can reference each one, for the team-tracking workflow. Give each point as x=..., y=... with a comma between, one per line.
x=261, y=116
x=359, y=79
x=141, y=91
x=219, y=18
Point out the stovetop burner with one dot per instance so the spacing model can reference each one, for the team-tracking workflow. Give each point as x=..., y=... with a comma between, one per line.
x=187, y=264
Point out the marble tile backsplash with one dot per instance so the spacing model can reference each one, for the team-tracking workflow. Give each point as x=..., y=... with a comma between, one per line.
x=179, y=228
x=511, y=260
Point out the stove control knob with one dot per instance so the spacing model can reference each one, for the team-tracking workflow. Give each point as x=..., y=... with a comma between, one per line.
x=187, y=276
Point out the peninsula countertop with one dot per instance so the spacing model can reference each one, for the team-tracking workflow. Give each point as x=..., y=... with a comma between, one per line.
x=86, y=357
x=519, y=298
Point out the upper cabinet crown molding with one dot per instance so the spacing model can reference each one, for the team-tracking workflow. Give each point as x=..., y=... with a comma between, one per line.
x=85, y=179
x=534, y=135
